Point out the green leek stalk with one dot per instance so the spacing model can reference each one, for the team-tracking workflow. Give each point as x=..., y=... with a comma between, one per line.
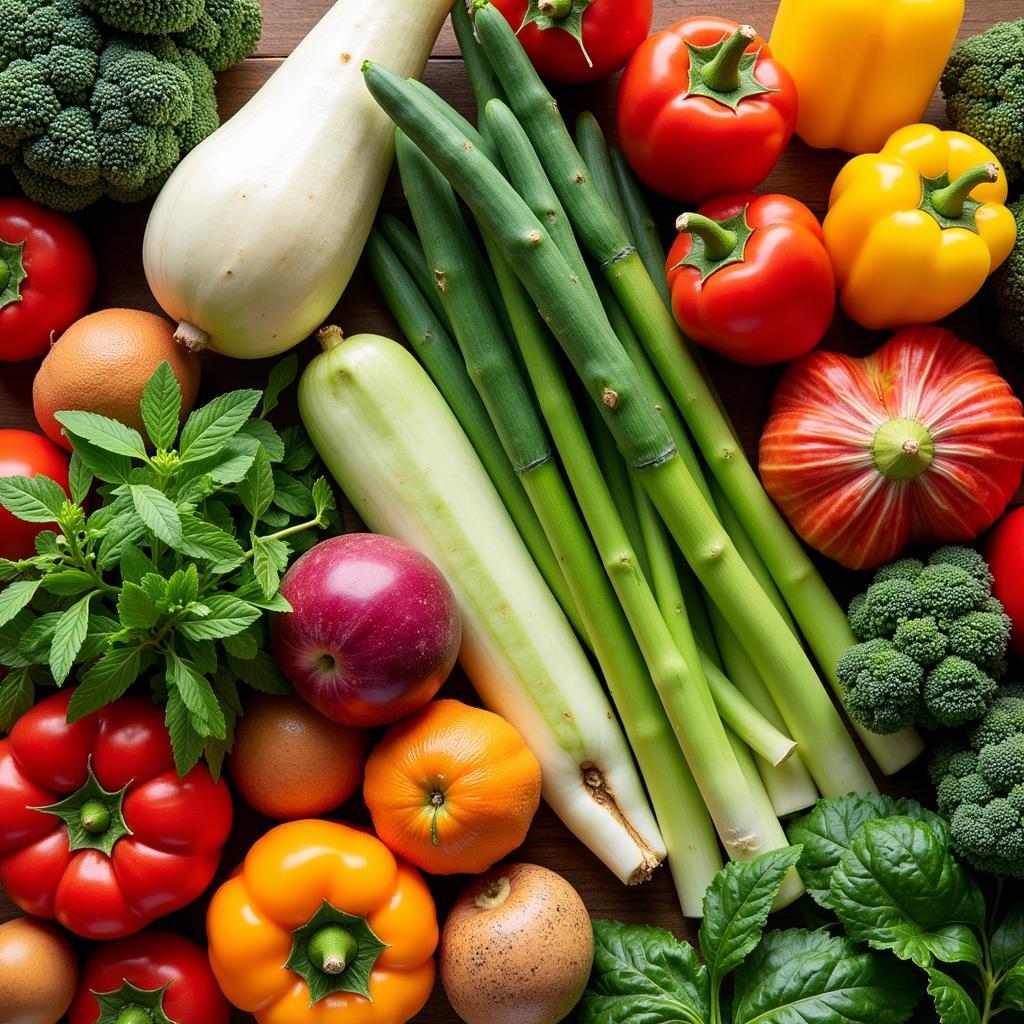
x=406, y=246
x=821, y=619
x=611, y=380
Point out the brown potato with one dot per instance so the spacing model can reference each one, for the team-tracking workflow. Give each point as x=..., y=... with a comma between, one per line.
x=38, y=972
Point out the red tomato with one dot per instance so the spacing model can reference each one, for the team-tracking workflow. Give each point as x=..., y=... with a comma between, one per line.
x=612, y=30
x=1006, y=559
x=25, y=454
x=46, y=261
x=155, y=971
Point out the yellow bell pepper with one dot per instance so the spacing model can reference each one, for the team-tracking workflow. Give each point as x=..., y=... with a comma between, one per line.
x=863, y=68
x=914, y=231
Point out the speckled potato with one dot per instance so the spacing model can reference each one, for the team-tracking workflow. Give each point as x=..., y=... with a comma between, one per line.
x=38, y=972
x=517, y=948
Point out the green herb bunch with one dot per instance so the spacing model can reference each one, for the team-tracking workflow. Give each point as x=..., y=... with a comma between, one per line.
x=167, y=579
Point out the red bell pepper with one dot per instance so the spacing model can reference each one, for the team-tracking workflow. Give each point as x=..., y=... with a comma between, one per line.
x=152, y=978
x=751, y=278
x=703, y=109
x=96, y=828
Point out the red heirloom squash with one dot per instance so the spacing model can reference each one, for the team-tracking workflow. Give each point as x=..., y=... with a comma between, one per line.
x=920, y=442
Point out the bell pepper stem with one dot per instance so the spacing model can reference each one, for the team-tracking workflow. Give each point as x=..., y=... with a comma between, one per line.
x=722, y=72
x=949, y=201
x=719, y=242
x=134, y=1014
x=95, y=817
x=554, y=8
x=5, y=274
x=331, y=949
x=902, y=449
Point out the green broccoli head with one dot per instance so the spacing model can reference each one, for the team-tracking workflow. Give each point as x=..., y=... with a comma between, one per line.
x=226, y=33
x=968, y=559
x=1007, y=286
x=982, y=638
x=886, y=605
x=947, y=591
x=984, y=88
x=881, y=686
x=980, y=787
x=955, y=692
x=147, y=17
x=922, y=640
x=901, y=569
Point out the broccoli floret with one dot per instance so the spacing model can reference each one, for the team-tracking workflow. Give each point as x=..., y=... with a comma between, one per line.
x=968, y=559
x=226, y=33
x=148, y=17
x=980, y=637
x=881, y=686
x=887, y=604
x=946, y=592
x=901, y=569
x=984, y=88
x=955, y=692
x=980, y=787
x=922, y=640
x=87, y=112
x=1007, y=286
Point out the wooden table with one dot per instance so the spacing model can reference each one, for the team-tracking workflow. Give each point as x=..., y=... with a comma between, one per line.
x=116, y=233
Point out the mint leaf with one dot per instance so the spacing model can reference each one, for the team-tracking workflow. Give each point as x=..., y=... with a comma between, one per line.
x=644, y=975
x=269, y=560
x=67, y=582
x=827, y=831
x=241, y=645
x=11, y=635
x=15, y=597
x=261, y=673
x=291, y=495
x=37, y=639
x=105, y=682
x=299, y=452
x=68, y=637
x=102, y=630
x=227, y=616
x=186, y=743
x=267, y=436
x=323, y=498
x=197, y=695
x=201, y=539
x=33, y=499
x=80, y=479
x=898, y=887
x=161, y=406
x=797, y=977
x=281, y=377
x=209, y=427
x=736, y=908
x=134, y=564
x=1007, y=942
x=46, y=545
x=256, y=491
x=157, y=511
x=233, y=463
x=183, y=586
x=952, y=1003
x=16, y=696
x=104, y=465
x=103, y=432
x=136, y=608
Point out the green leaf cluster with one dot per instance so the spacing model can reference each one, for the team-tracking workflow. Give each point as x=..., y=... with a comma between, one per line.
x=168, y=577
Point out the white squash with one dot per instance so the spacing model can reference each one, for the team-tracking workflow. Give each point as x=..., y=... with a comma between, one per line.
x=255, y=235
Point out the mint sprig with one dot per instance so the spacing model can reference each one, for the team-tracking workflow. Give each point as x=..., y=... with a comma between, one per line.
x=168, y=578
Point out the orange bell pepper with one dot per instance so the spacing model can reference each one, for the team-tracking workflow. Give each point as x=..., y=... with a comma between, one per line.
x=322, y=924
x=915, y=230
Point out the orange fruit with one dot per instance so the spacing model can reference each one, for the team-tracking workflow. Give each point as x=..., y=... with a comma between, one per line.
x=289, y=761
x=452, y=789
x=101, y=364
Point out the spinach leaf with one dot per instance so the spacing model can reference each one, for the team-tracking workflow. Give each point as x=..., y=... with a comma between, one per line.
x=952, y=1003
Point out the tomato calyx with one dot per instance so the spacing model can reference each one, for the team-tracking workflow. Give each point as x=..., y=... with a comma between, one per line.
x=12, y=271
x=93, y=815
x=566, y=15
x=334, y=952
x=714, y=244
x=950, y=203
x=903, y=449
x=132, y=1005
x=724, y=71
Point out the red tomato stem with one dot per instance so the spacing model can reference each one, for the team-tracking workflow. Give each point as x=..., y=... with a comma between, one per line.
x=722, y=72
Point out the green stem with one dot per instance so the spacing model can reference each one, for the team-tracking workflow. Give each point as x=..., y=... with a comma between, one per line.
x=288, y=531
x=331, y=949
x=134, y=1015
x=95, y=817
x=719, y=243
x=555, y=8
x=403, y=244
x=5, y=274
x=903, y=449
x=949, y=201
x=722, y=72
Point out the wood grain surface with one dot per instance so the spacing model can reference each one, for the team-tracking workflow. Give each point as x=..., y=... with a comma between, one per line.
x=116, y=233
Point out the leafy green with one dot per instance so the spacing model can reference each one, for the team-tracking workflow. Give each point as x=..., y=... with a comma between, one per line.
x=169, y=576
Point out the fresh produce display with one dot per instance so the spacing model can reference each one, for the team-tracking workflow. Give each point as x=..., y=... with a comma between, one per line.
x=915, y=230
x=1007, y=286
x=578, y=40
x=98, y=830
x=47, y=278
x=261, y=187
x=175, y=566
x=452, y=789
x=290, y=762
x=519, y=930
x=1005, y=554
x=751, y=279
x=864, y=69
x=89, y=112
x=26, y=455
x=373, y=630
x=38, y=972
x=920, y=442
x=322, y=924
x=984, y=89
x=156, y=976
x=704, y=109
x=102, y=363
x=933, y=644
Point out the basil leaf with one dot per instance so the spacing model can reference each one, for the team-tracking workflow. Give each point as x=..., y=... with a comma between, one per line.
x=105, y=433
x=105, y=682
x=15, y=597
x=799, y=977
x=644, y=975
x=281, y=377
x=161, y=406
x=80, y=479
x=17, y=695
x=898, y=887
x=186, y=743
x=1007, y=942
x=68, y=637
x=32, y=499
x=268, y=437
x=952, y=1003
x=136, y=608
x=828, y=830
x=158, y=512
x=227, y=617
x=736, y=908
x=256, y=491
x=209, y=427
